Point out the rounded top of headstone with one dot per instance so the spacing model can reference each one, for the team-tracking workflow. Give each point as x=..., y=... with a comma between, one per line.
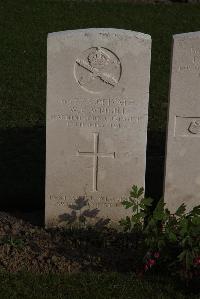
x=113, y=32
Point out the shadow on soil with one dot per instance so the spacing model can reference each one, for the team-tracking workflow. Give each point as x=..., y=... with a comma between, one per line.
x=22, y=165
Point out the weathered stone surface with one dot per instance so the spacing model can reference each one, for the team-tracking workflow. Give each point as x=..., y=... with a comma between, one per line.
x=97, y=110
x=182, y=181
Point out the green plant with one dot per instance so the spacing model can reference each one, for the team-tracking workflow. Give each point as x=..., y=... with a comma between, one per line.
x=13, y=242
x=171, y=239
x=140, y=208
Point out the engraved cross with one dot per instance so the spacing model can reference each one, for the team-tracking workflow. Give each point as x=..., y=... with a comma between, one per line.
x=95, y=155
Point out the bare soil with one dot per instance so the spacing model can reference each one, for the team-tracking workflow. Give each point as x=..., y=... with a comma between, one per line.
x=24, y=246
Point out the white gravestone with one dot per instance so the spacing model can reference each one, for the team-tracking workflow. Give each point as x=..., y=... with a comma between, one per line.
x=97, y=112
x=182, y=177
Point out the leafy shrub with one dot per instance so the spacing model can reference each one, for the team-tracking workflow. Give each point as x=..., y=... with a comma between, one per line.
x=172, y=240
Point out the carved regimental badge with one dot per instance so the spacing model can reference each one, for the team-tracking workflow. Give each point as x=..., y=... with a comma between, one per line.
x=97, y=69
x=194, y=127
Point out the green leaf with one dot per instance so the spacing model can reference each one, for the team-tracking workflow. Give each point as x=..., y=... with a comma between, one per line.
x=136, y=218
x=172, y=237
x=187, y=241
x=142, y=214
x=151, y=223
x=183, y=226
x=127, y=204
x=167, y=212
x=134, y=208
x=140, y=192
x=147, y=202
x=158, y=213
x=182, y=255
x=136, y=192
x=195, y=211
x=126, y=223
x=195, y=220
x=181, y=210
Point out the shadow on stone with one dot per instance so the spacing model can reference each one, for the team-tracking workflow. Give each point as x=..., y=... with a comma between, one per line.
x=81, y=215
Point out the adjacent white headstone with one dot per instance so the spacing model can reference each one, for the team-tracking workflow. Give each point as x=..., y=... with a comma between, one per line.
x=182, y=181
x=97, y=110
